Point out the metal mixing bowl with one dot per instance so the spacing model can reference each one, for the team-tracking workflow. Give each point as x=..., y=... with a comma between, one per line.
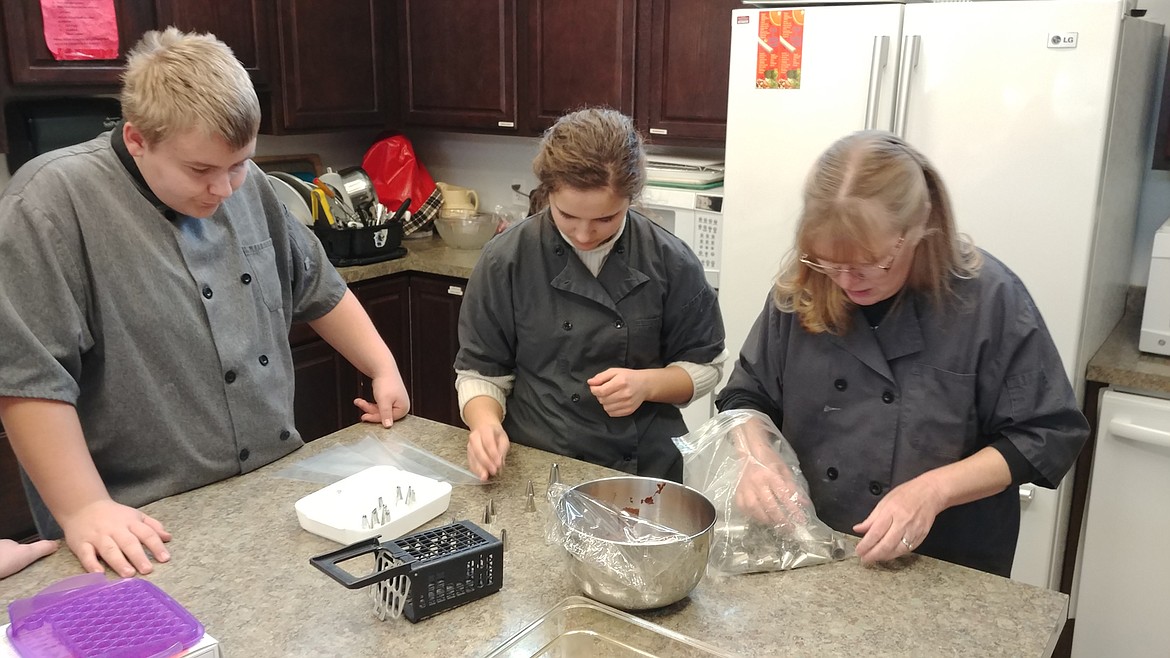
x=669, y=569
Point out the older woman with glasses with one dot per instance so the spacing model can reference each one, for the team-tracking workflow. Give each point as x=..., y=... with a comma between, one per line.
x=910, y=371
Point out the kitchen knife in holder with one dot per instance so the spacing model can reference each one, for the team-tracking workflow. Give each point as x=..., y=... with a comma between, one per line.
x=425, y=573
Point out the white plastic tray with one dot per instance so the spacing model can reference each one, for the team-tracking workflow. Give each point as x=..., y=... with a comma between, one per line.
x=335, y=512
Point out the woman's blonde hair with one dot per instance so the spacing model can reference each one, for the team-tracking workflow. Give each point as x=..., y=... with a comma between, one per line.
x=177, y=81
x=592, y=148
x=863, y=188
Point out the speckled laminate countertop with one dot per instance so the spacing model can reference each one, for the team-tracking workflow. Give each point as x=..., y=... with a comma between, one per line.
x=240, y=564
x=430, y=255
x=1119, y=363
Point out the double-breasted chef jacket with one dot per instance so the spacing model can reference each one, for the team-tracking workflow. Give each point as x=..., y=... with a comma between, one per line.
x=875, y=407
x=532, y=309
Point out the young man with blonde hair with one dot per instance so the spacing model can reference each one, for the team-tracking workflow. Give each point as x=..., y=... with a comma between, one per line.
x=149, y=278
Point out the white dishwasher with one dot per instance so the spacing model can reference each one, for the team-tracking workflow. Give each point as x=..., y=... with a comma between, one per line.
x=1123, y=603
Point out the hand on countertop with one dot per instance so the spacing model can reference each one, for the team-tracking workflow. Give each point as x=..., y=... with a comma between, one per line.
x=899, y=522
x=14, y=556
x=487, y=449
x=117, y=534
x=391, y=401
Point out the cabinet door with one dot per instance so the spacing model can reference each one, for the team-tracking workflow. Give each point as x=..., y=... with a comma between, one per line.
x=689, y=52
x=320, y=407
x=434, y=337
x=577, y=53
x=241, y=24
x=459, y=63
x=387, y=301
x=336, y=63
x=31, y=63
x=15, y=518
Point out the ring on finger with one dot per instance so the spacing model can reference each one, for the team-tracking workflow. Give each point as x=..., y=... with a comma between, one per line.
x=908, y=544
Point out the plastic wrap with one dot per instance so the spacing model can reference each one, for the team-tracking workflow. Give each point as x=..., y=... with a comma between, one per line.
x=766, y=520
x=613, y=541
x=384, y=448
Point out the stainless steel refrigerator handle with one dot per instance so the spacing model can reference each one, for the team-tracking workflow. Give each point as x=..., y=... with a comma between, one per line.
x=881, y=48
x=910, y=46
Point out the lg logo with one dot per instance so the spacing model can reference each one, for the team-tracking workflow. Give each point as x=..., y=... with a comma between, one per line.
x=1062, y=40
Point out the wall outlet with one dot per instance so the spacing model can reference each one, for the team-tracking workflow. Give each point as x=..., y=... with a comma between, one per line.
x=518, y=199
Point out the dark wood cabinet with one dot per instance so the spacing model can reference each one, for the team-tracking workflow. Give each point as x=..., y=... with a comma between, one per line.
x=576, y=54
x=417, y=315
x=514, y=66
x=337, y=64
x=387, y=301
x=31, y=63
x=241, y=24
x=458, y=64
x=16, y=520
x=434, y=342
x=686, y=70
x=321, y=405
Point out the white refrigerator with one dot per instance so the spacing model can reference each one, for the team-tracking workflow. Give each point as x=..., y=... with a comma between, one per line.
x=1037, y=115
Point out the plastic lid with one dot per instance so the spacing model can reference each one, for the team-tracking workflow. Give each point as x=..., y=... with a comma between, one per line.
x=91, y=617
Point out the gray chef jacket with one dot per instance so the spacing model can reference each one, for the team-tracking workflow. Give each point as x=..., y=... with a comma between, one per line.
x=534, y=310
x=872, y=408
x=169, y=334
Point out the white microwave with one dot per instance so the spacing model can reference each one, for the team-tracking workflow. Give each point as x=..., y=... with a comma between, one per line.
x=695, y=216
x=1155, y=334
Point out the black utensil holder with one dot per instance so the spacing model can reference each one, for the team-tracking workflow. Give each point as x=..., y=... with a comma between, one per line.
x=356, y=246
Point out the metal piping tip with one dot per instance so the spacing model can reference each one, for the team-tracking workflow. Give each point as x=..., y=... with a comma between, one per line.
x=504, y=538
x=487, y=514
x=554, y=474
x=365, y=522
x=530, y=491
x=491, y=505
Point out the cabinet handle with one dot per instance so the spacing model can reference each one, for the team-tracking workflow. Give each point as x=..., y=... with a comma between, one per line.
x=1123, y=429
x=881, y=49
x=506, y=124
x=1027, y=493
x=910, y=47
x=455, y=290
x=658, y=131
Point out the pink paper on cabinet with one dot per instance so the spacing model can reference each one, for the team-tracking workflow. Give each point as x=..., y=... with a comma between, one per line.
x=80, y=29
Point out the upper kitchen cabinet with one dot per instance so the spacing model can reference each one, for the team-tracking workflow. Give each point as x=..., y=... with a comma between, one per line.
x=576, y=54
x=241, y=24
x=31, y=62
x=337, y=64
x=458, y=64
x=684, y=93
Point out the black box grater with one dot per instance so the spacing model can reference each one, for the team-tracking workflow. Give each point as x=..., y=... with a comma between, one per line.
x=446, y=566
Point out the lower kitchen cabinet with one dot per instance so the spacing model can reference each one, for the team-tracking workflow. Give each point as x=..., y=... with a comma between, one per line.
x=417, y=315
x=15, y=518
x=434, y=341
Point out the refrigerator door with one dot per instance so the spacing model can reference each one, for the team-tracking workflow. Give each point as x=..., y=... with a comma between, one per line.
x=775, y=135
x=1011, y=102
x=1017, y=129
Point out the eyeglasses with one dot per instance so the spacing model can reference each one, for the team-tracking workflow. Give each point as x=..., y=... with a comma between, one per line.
x=867, y=271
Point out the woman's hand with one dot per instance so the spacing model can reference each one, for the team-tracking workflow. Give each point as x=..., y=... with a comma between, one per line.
x=620, y=390
x=900, y=521
x=117, y=534
x=391, y=401
x=766, y=490
x=14, y=556
x=768, y=494
x=487, y=448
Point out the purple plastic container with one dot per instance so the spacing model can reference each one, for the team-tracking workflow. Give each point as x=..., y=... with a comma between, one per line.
x=91, y=617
